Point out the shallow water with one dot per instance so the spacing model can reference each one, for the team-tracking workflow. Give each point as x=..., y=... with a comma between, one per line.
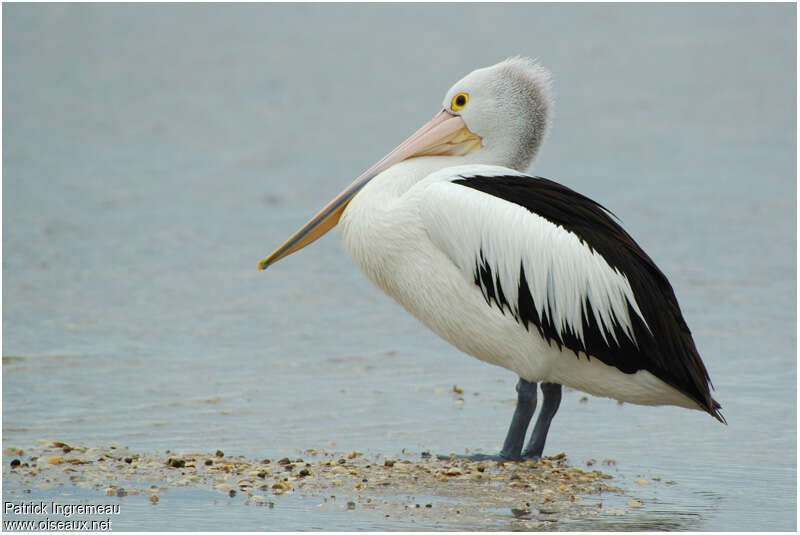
x=153, y=154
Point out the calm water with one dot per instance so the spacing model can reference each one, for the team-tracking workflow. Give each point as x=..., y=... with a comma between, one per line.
x=153, y=154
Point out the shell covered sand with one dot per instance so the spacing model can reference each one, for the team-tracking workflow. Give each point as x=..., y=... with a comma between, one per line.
x=455, y=491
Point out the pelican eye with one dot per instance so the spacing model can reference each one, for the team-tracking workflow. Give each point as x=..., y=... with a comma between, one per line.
x=459, y=101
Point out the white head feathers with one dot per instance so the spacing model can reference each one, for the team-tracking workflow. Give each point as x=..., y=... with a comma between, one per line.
x=509, y=106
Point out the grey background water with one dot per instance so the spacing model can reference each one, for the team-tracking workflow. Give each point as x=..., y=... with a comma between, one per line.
x=154, y=153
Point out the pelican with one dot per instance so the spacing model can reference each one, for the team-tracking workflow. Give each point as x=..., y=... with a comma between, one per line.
x=515, y=270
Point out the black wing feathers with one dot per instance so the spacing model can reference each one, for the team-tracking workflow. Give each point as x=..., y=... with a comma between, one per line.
x=666, y=349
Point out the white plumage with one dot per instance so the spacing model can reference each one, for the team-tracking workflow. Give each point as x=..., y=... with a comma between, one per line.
x=420, y=247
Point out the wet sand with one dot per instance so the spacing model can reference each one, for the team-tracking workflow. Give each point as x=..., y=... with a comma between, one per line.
x=422, y=489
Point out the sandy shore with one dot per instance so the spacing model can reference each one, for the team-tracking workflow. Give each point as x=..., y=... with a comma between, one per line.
x=536, y=493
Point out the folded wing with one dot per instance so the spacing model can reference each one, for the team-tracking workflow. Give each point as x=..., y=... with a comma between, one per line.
x=559, y=263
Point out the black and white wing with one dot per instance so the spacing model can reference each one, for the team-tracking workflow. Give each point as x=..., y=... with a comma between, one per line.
x=559, y=263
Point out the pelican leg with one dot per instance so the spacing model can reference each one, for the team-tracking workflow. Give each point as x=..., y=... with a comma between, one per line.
x=552, y=399
x=515, y=438
x=526, y=405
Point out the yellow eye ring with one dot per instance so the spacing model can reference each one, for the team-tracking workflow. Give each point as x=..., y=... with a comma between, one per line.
x=459, y=102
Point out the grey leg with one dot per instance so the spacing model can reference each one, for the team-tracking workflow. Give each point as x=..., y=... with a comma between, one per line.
x=512, y=447
x=526, y=404
x=552, y=399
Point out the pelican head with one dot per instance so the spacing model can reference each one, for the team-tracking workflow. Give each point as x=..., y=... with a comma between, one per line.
x=495, y=115
x=508, y=106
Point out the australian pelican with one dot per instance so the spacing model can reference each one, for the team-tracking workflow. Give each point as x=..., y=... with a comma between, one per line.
x=515, y=270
